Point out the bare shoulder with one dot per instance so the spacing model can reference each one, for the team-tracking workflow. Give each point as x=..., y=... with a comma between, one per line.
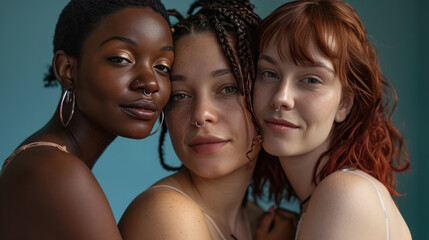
x=163, y=213
x=57, y=189
x=345, y=206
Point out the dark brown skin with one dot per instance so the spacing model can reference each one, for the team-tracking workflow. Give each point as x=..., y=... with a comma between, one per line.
x=46, y=193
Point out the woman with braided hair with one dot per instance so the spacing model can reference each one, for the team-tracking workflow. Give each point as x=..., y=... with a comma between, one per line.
x=320, y=99
x=212, y=131
x=112, y=59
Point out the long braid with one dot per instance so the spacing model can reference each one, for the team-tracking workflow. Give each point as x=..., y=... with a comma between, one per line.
x=161, y=149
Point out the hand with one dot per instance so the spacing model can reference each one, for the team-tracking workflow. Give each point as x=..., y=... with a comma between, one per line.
x=277, y=224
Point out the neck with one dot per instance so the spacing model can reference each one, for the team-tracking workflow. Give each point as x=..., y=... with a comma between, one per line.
x=226, y=210
x=82, y=138
x=299, y=170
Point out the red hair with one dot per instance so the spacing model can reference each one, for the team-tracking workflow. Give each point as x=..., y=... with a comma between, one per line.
x=366, y=139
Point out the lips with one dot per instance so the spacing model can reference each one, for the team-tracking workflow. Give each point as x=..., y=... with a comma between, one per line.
x=207, y=144
x=141, y=109
x=280, y=125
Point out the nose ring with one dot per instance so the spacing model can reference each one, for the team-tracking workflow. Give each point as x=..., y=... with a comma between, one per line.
x=198, y=125
x=277, y=109
x=146, y=93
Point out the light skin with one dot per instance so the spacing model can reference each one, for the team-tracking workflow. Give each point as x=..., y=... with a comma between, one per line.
x=54, y=194
x=311, y=102
x=217, y=171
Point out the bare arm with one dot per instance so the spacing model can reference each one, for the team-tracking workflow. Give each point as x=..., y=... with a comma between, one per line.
x=57, y=197
x=163, y=214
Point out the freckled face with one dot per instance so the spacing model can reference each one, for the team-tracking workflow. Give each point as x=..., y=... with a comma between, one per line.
x=296, y=105
x=205, y=91
x=122, y=82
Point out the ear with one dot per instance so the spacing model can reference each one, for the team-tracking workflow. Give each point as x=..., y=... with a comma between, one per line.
x=344, y=108
x=62, y=66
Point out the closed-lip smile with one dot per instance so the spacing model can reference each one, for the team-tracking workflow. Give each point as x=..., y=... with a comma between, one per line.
x=280, y=125
x=141, y=109
x=207, y=144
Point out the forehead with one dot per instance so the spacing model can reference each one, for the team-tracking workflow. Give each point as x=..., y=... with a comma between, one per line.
x=136, y=21
x=282, y=53
x=199, y=52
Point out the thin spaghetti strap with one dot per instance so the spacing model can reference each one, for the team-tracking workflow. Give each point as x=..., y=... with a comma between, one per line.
x=379, y=196
x=172, y=188
x=30, y=145
x=219, y=232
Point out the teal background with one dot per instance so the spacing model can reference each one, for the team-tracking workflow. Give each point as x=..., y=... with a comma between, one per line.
x=398, y=30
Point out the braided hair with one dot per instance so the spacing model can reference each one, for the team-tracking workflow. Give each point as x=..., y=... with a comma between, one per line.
x=80, y=17
x=227, y=20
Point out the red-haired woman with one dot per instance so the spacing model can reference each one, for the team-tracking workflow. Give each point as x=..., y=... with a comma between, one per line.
x=319, y=99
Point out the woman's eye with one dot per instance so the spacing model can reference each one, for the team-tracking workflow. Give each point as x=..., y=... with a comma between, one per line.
x=312, y=80
x=178, y=97
x=120, y=60
x=163, y=68
x=230, y=90
x=269, y=74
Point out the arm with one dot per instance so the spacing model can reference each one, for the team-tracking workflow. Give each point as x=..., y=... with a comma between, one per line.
x=344, y=206
x=57, y=197
x=163, y=214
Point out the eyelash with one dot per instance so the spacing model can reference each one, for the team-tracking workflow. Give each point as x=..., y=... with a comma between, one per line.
x=119, y=60
x=180, y=96
x=317, y=81
x=174, y=97
x=163, y=68
x=268, y=73
x=233, y=88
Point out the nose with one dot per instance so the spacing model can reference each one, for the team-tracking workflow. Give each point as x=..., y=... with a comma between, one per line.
x=146, y=82
x=203, y=111
x=283, y=98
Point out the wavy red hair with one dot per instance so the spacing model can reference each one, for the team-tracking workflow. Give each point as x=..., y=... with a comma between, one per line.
x=367, y=139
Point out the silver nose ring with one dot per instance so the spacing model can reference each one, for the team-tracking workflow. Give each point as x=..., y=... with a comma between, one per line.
x=277, y=109
x=196, y=124
x=146, y=93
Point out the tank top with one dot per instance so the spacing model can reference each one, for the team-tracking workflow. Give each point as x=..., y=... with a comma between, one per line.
x=298, y=228
x=213, y=227
x=27, y=146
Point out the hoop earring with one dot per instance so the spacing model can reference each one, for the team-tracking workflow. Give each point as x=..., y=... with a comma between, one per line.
x=160, y=124
x=67, y=94
x=195, y=123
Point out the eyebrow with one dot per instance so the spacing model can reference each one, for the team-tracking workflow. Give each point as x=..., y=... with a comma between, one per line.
x=176, y=78
x=316, y=64
x=132, y=42
x=322, y=65
x=122, y=39
x=221, y=72
x=268, y=59
x=216, y=73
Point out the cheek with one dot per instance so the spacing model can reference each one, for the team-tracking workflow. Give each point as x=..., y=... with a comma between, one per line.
x=322, y=109
x=260, y=100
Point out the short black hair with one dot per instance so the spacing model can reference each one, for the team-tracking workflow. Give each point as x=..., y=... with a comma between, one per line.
x=79, y=18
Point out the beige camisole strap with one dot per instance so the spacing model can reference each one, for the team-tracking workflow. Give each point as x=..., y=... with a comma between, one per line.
x=30, y=145
x=212, y=222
